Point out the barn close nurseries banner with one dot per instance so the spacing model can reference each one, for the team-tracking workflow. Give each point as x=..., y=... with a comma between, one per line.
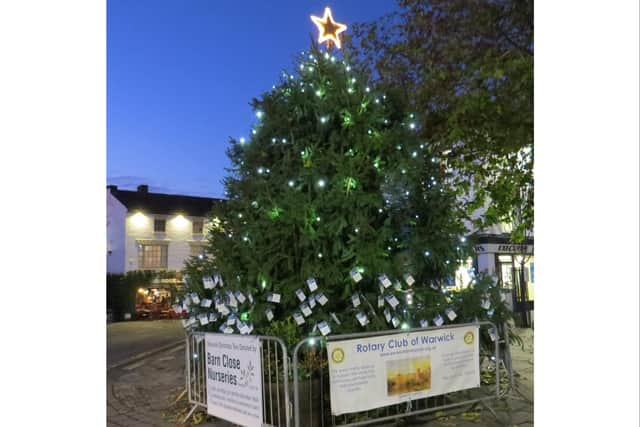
x=369, y=373
x=234, y=378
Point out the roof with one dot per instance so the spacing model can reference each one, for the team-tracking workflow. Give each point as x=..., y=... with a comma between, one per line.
x=163, y=204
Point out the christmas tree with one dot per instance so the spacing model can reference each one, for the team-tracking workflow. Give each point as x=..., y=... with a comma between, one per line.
x=338, y=219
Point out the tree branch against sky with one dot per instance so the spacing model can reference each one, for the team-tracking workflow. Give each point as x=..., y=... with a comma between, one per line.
x=467, y=66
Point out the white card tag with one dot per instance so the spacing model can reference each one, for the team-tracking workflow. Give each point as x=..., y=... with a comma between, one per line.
x=392, y=300
x=273, y=298
x=321, y=298
x=490, y=312
x=434, y=286
x=185, y=308
x=384, y=280
x=208, y=283
x=250, y=326
x=311, y=283
x=187, y=301
x=304, y=308
x=301, y=296
x=493, y=334
x=451, y=314
x=231, y=320
x=206, y=303
x=380, y=289
x=250, y=298
x=240, y=296
x=312, y=301
x=355, y=300
x=243, y=328
x=397, y=286
x=409, y=280
x=485, y=304
x=324, y=328
x=228, y=330
x=213, y=317
x=503, y=297
x=387, y=315
x=424, y=323
x=362, y=318
x=233, y=302
x=335, y=318
x=177, y=309
x=298, y=318
x=438, y=320
x=195, y=298
x=380, y=301
x=203, y=318
x=185, y=278
x=269, y=313
x=223, y=309
x=395, y=321
x=356, y=276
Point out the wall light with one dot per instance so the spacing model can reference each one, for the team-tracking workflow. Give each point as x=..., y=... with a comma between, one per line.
x=180, y=221
x=139, y=220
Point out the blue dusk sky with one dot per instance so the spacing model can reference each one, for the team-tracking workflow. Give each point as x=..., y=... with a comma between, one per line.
x=181, y=74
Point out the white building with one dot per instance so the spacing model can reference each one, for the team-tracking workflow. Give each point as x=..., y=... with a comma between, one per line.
x=152, y=231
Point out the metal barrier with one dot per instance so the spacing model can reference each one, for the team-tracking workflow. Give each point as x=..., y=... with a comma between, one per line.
x=276, y=406
x=312, y=399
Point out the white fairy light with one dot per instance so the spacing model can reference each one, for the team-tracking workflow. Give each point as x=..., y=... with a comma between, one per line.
x=259, y=114
x=291, y=183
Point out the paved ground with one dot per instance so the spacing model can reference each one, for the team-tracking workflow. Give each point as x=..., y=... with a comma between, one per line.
x=126, y=339
x=144, y=393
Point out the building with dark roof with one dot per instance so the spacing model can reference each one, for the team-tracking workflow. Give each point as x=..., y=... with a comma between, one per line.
x=154, y=231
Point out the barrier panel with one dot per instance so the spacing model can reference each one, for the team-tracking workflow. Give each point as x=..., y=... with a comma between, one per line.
x=276, y=406
x=311, y=382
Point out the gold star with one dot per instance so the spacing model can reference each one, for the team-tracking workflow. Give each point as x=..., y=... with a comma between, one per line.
x=328, y=28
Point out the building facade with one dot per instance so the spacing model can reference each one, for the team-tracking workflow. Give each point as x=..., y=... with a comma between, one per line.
x=153, y=231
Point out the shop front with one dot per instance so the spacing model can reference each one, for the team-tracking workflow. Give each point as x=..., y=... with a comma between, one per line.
x=154, y=300
x=513, y=264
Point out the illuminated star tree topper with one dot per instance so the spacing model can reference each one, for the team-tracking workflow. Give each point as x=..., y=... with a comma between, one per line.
x=328, y=29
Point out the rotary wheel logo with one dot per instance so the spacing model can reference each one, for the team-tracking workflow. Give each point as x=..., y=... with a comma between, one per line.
x=337, y=355
x=468, y=337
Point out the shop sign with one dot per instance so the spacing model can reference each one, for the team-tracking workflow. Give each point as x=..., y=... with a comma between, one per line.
x=509, y=248
x=234, y=378
x=369, y=373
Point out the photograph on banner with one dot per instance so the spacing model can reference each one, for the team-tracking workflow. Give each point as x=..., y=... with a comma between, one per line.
x=369, y=373
x=234, y=378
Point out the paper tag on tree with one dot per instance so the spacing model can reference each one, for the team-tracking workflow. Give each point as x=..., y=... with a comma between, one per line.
x=321, y=298
x=362, y=318
x=203, y=318
x=387, y=315
x=493, y=334
x=355, y=300
x=384, y=280
x=243, y=328
x=438, y=320
x=240, y=297
x=228, y=330
x=395, y=321
x=434, y=286
x=223, y=309
x=503, y=297
x=205, y=303
x=424, y=323
x=392, y=300
x=335, y=318
x=356, y=276
x=231, y=320
x=275, y=298
x=213, y=317
x=312, y=301
x=301, y=296
x=177, y=309
x=380, y=301
x=485, y=304
x=298, y=318
x=195, y=298
x=304, y=308
x=311, y=283
x=208, y=283
x=409, y=280
x=490, y=312
x=324, y=328
x=397, y=286
x=450, y=314
x=269, y=314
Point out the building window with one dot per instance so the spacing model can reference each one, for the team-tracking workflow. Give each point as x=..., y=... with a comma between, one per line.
x=159, y=225
x=197, y=250
x=152, y=256
x=197, y=227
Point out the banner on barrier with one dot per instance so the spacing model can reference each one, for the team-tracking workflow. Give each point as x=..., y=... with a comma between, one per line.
x=369, y=373
x=234, y=378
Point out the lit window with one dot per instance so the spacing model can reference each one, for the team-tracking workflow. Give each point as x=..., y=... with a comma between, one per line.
x=197, y=227
x=152, y=256
x=159, y=225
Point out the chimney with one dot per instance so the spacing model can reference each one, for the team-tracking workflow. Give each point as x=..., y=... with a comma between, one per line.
x=143, y=189
x=112, y=188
